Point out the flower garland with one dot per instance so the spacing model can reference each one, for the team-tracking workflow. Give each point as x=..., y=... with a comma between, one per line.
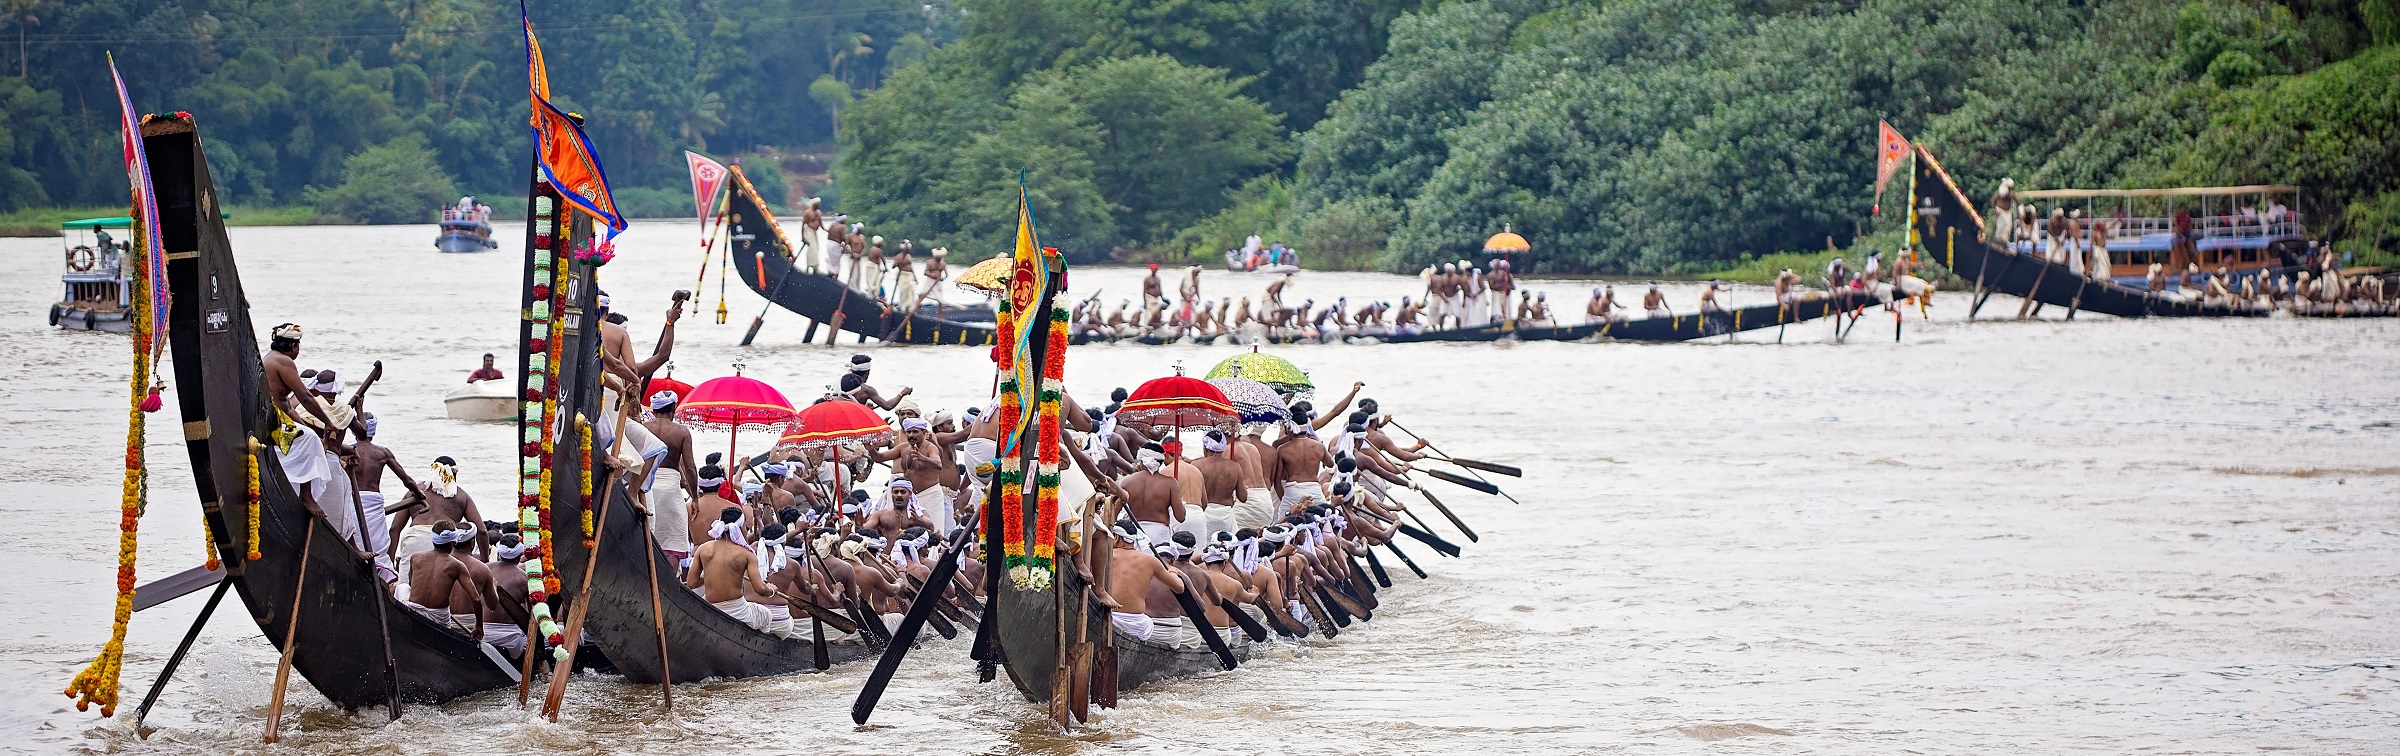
x=252, y=553
x=1011, y=476
x=1054, y=368
x=97, y=683
x=542, y=350
x=583, y=433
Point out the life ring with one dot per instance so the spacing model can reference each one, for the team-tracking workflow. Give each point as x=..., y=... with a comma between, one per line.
x=82, y=259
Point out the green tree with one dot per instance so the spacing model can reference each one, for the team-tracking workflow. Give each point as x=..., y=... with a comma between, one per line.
x=394, y=182
x=1174, y=139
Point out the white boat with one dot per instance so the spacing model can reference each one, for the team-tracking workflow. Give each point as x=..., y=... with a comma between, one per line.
x=97, y=289
x=483, y=401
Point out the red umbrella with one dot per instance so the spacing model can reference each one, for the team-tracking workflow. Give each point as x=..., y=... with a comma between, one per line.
x=733, y=401
x=832, y=422
x=1176, y=402
x=681, y=390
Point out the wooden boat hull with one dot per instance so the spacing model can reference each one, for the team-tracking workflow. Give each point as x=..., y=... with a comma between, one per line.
x=763, y=257
x=1029, y=641
x=702, y=642
x=221, y=395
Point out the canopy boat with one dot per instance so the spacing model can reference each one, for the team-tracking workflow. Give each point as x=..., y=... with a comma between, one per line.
x=97, y=296
x=345, y=614
x=2248, y=230
x=1953, y=234
x=466, y=228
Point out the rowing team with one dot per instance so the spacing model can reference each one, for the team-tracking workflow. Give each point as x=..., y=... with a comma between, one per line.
x=1271, y=525
x=1278, y=520
x=2327, y=289
x=1466, y=302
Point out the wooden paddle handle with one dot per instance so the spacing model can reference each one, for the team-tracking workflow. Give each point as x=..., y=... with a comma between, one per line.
x=291, y=631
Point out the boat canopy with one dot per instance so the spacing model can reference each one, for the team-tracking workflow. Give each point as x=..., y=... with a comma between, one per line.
x=2189, y=191
x=91, y=223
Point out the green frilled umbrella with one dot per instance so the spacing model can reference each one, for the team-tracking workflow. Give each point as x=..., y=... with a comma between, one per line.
x=1276, y=372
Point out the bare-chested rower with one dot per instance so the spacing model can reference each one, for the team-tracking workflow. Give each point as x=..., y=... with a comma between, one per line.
x=440, y=587
x=1298, y=458
x=1131, y=570
x=726, y=574
x=1153, y=498
x=438, y=501
x=368, y=461
x=1222, y=479
x=616, y=344
x=505, y=621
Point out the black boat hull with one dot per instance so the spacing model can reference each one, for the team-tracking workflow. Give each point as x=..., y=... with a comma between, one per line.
x=222, y=400
x=763, y=256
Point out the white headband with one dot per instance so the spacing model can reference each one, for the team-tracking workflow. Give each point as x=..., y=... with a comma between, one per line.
x=731, y=531
x=1212, y=443
x=511, y=552
x=1151, y=459
x=915, y=423
x=662, y=400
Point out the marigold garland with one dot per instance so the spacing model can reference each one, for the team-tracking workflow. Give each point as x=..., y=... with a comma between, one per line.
x=540, y=408
x=97, y=683
x=583, y=434
x=1028, y=551
x=251, y=554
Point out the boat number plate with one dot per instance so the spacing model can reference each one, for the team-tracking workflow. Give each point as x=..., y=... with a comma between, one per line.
x=217, y=320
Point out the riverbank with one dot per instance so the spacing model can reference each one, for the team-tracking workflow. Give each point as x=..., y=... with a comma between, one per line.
x=43, y=221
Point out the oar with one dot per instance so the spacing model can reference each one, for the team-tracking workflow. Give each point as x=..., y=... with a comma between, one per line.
x=1445, y=547
x=1381, y=578
x=658, y=612
x=1445, y=509
x=1490, y=467
x=1412, y=564
x=291, y=630
x=572, y=636
x=1438, y=450
x=1478, y=485
x=761, y=320
x=1249, y=624
x=910, y=625
x=151, y=697
x=1208, y=632
x=383, y=621
x=175, y=586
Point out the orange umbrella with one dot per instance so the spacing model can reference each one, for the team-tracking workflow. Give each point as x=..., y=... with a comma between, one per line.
x=989, y=278
x=1506, y=242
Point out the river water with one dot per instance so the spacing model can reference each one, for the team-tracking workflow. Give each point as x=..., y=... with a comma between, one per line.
x=2095, y=536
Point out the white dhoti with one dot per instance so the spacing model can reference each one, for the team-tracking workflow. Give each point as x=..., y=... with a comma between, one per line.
x=978, y=451
x=1136, y=626
x=2100, y=263
x=1195, y=522
x=904, y=292
x=463, y=624
x=1257, y=509
x=379, y=533
x=1298, y=495
x=779, y=620
x=810, y=238
x=935, y=502
x=1216, y=518
x=741, y=609
x=891, y=622
x=505, y=637
x=1165, y=631
x=670, y=512
x=414, y=539
x=1160, y=533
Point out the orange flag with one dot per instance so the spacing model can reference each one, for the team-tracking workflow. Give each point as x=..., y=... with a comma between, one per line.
x=1891, y=148
x=568, y=161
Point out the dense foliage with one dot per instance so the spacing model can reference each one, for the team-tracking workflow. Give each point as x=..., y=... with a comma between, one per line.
x=290, y=91
x=1617, y=135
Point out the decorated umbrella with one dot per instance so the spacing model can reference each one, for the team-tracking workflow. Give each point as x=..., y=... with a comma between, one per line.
x=733, y=401
x=1177, y=402
x=679, y=388
x=989, y=278
x=1252, y=400
x=831, y=422
x=1506, y=243
x=1276, y=372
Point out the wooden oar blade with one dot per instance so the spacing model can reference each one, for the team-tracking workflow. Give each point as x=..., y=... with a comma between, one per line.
x=1257, y=632
x=1467, y=482
x=1445, y=547
x=1490, y=467
x=1208, y=632
x=904, y=637
x=175, y=586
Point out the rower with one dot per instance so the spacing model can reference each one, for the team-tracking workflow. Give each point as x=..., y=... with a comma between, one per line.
x=1708, y=299
x=1298, y=457
x=1132, y=570
x=726, y=573
x=874, y=268
x=927, y=468
x=936, y=271
x=510, y=611
x=812, y=231
x=439, y=587
x=616, y=344
x=675, y=483
x=1153, y=294
x=1153, y=498
x=1541, y=311
x=368, y=462
x=904, y=279
x=442, y=501
x=1654, y=303
x=873, y=580
x=702, y=510
x=861, y=366
x=1787, y=290
x=1502, y=284
x=774, y=570
x=1215, y=564
x=902, y=513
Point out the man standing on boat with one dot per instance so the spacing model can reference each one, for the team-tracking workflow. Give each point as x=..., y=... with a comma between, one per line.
x=936, y=271
x=676, y=483
x=1152, y=497
x=904, y=280
x=616, y=345
x=812, y=231
x=874, y=264
x=301, y=447
x=486, y=373
x=1298, y=457
x=2003, y=217
x=1503, y=284
x=863, y=366
x=368, y=461
x=1153, y=294
x=836, y=246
